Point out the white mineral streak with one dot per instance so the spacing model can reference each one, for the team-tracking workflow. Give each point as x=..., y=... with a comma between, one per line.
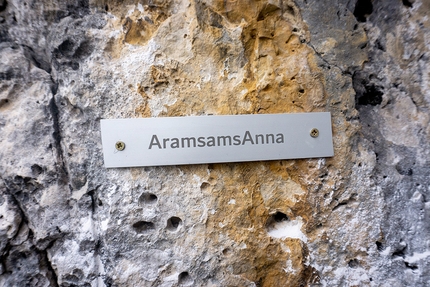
x=232, y=201
x=288, y=229
x=289, y=268
x=417, y=257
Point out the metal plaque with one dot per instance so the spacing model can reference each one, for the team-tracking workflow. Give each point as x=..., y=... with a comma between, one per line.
x=212, y=139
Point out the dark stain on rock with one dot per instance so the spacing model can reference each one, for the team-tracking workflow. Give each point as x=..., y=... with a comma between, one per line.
x=79, y=8
x=372, y=96
x=37, y=60
x=367, y=92
x=363, y=8
x=143, y=226
x=3, y=5
x=407, y=3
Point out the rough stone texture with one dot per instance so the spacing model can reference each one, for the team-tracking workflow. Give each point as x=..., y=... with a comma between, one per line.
x=360, y=218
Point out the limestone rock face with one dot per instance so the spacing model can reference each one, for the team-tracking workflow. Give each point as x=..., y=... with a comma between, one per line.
x=360, y=218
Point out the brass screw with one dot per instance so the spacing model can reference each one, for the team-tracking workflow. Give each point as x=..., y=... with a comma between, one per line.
x=119, y=145
x=315, y=133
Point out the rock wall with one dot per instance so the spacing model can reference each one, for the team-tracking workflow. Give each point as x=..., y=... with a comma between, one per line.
x=360, y=218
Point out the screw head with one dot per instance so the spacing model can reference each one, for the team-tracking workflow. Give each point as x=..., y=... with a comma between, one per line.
x=314, y=133
x=119, y=145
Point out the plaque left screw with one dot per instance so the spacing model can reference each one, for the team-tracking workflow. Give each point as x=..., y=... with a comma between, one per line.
x=120, y=145
x=315, y=132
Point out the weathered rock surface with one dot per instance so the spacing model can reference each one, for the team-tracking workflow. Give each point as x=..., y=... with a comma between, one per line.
x=360, y=218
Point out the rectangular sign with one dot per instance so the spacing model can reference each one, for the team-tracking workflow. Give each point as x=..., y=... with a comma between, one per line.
x=214, y=139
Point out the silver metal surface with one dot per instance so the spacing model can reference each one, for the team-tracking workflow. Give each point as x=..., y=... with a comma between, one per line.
x=213, y=139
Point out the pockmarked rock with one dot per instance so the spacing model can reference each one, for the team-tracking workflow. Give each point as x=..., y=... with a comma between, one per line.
x=359, y=218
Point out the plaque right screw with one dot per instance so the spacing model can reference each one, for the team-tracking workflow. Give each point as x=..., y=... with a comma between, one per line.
x=120, y=145
x=315, y=132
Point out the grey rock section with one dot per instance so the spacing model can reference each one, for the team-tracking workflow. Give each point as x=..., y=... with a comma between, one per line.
x=43, y=213
x=393, y=99
x=335, y=33
x=389, y=191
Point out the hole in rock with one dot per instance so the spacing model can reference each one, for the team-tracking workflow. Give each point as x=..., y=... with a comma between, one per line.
x=69, y=278
x=400, y=252
x=36, y=169
x=184, y=279
x=367, y=93
x=226, y=251
x=404, y=167
x=74, y=65
x=3, y=5
x=143, y=226
x=362, y=46
x=372, y=96
x=407, y=3
x=363, y=8
x=148, y=198
x=279, y=217
x=66, y=47
x=3, y=102
x=83, y=50
x=353, y=263
x=379, y=45
x=411, y=266
x=174, y=223
x=343, y=203
x=204, y=185
x=290, y=10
